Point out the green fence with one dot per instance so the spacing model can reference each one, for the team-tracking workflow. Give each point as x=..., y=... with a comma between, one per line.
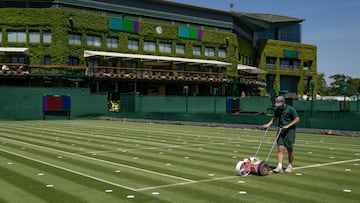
x=20, y=103
x=252, y=110
x=27, y=103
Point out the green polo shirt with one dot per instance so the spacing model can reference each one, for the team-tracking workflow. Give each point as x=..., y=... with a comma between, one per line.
x=285, y=115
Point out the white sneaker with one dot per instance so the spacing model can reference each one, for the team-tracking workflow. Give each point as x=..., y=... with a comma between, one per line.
x=278, y=170
x=289, y=169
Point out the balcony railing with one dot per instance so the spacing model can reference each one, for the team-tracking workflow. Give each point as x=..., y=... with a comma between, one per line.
x=102, y=72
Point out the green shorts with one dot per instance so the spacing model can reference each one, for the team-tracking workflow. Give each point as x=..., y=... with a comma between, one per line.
x=287, y=138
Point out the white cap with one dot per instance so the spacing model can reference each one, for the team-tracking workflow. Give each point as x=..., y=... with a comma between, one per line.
x=280, y=100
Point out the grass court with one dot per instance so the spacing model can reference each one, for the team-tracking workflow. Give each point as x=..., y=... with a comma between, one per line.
x=118, y=161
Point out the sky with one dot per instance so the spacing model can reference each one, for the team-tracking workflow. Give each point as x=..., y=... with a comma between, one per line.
x=331, y=25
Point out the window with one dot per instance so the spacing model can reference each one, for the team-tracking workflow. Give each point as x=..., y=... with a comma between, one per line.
x=209, y=69
x=222, y=52
x=270, y=62
x=93, y=41
x=295, y=64
x=133, y=44
x=149, y=46
x=180, y=49
x=292, y=64
x=180, y=67
x=209, y=51
x=18, y=59
x=47, y=37
x=73, y=61
x=112, y=42
x=284, y=63
x=195, y=68
x=165, y=47
x=307, y=65
x=197, y=50
x=131, y=64
x=74, y=39
x=244, y=59
x=16, y=36
x=34, y=36
x=47, y=60
x=222, y=70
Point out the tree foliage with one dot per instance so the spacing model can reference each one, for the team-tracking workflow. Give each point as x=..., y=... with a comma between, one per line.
x=322, y=88
x=336, y=85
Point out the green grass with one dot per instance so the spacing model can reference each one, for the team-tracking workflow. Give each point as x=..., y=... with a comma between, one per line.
x=82, y=159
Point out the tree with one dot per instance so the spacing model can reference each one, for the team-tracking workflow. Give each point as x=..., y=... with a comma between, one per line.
x=322, y=88
x=354, y=86
x=336, y=85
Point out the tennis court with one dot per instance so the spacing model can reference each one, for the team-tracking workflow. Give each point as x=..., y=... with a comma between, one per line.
x=119, y=161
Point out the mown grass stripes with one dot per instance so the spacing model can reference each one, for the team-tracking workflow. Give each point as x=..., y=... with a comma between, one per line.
x=179, y=163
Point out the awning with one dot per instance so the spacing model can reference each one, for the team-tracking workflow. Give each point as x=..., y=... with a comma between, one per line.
x=156, y=58
x=23, y=50
x=250, y=69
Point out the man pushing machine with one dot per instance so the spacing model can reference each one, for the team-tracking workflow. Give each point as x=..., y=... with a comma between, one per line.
x=288, y=118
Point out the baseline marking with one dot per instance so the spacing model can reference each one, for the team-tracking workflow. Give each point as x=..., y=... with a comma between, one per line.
x=326, y=164
x=185, y=183
x=229, y=177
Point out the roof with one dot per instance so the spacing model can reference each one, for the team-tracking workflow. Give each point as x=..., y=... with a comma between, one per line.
x=4, y=50
x=262, y=21
x=270, y=18
x=88, y=53
x=250, y=69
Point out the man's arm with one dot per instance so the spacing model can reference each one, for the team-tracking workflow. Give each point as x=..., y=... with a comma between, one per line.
x=269, y=123
x=292, y=123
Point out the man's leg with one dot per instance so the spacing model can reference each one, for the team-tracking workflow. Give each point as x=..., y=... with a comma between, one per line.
x=290, y=155
x=278, y=169
x=289, y=168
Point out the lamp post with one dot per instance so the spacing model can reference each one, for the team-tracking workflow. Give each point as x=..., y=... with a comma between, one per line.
x=312, y=84
x=214, y=93
x=357, y=101
x=344, y=90
x=186, y=90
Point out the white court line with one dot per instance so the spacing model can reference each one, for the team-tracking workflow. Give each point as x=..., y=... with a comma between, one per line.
x=229, y=177
x=326, y=164
x=101, y=160
x=69, y=170
x=185, y=183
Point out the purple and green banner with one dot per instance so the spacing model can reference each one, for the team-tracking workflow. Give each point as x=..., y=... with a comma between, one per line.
x=124, y=25
x=190, y=33
x=291, y=54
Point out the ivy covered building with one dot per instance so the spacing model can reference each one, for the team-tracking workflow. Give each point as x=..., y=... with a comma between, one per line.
x=153, y=47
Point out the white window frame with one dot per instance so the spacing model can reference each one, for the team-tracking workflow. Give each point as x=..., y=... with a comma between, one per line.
x=222, y=53
x=197, y=50
x=133, y=44
x=34, y=36
x=180, y=49
x=112, y=42
x=149, y=46
x=47, y=38
x=16, y=36
x=165, y=47
x=74, y=38
x=93, y=40
x=209, y=51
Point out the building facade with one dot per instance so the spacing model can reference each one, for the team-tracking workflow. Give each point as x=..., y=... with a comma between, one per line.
x=152, y=47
